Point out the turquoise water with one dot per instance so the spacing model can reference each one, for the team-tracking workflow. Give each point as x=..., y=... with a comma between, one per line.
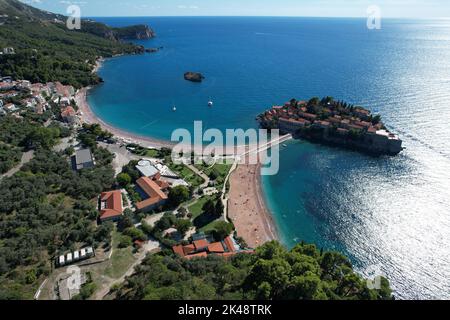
x=386, y=212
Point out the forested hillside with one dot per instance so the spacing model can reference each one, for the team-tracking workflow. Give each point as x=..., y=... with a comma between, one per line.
x=272, y=273
x=45, y=50
x=45, y=208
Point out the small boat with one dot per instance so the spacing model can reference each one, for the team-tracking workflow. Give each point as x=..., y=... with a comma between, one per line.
x=284, y=145
x=210, y=103
x=174, y=108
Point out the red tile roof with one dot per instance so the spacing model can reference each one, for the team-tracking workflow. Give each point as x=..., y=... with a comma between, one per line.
x=188, y=249
x=201, y=248
x=178, y=250
x=111, y=204
x=153, y=191
x=200, y=244
x=230, y=244
x=216, y=247
x=197, y=255
x=68, y=112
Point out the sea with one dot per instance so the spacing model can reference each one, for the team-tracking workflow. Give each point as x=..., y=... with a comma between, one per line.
x=389, y=215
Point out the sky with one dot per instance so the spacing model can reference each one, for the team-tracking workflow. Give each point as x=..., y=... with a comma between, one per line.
x=308, y=8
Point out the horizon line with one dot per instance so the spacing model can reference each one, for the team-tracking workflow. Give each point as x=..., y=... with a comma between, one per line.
x=263, y=16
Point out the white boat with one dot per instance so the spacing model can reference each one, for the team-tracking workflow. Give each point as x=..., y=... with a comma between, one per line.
x=210, y=103
x=174, y=108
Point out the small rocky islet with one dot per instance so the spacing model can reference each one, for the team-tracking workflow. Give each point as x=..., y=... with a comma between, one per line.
x=194, y=76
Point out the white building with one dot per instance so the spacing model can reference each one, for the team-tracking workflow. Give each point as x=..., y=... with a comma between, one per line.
x=146, y=169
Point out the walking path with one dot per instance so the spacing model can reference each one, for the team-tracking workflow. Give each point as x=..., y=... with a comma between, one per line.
x=149, y=247
x=238, y=158
x=201, y=174
x=26, y=157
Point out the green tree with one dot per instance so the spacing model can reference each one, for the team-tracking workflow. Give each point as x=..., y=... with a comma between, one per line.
x=209, y=208
x=124, y=179
x=314, y=101
x=183, y=226
x=219, y=208
x=42, y=137
x=125, y=242
x=135, y=234
x=222, y=230
x=178, y=195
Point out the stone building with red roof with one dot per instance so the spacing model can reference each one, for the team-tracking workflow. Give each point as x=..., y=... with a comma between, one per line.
x=153, y=192
x=202, y=248
x=110, y=206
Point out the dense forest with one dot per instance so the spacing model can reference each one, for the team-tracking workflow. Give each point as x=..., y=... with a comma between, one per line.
x=45, y=207
x=272, y=272
x=46, y=50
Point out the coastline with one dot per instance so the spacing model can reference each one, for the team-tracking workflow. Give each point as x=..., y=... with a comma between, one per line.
x=249, y=213
x=247, y=207
x=87, y=116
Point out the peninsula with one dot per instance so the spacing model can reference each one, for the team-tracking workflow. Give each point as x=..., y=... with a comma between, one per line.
x=334, y=123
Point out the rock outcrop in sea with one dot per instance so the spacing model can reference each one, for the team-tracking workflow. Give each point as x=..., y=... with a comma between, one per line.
x=194, y=76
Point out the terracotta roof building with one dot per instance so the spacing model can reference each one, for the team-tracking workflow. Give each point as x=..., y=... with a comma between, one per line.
x=152, y=191
x=110, y=205
x=201, y=248
x=69, y=115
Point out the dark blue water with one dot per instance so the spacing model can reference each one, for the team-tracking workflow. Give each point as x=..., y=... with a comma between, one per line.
x=386, y=212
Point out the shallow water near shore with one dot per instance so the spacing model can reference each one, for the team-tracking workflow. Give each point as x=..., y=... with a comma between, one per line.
x=386, y=212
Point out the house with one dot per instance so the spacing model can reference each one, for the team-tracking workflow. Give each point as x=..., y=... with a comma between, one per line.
x=64, y=102
x=362, y=113
x=201, y=247
x=10, y=107
x=23, y=85
x=308, y=116
x=41, y=108
x=292, y=125
x=323, y=124
x=7, y=78
x=152, y=191
x=83, y=159
x=69, y=115
x=62, y=90
x=5, y=86
x=110, y=206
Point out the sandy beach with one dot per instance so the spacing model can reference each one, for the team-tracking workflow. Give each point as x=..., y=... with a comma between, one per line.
x=247, y=208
